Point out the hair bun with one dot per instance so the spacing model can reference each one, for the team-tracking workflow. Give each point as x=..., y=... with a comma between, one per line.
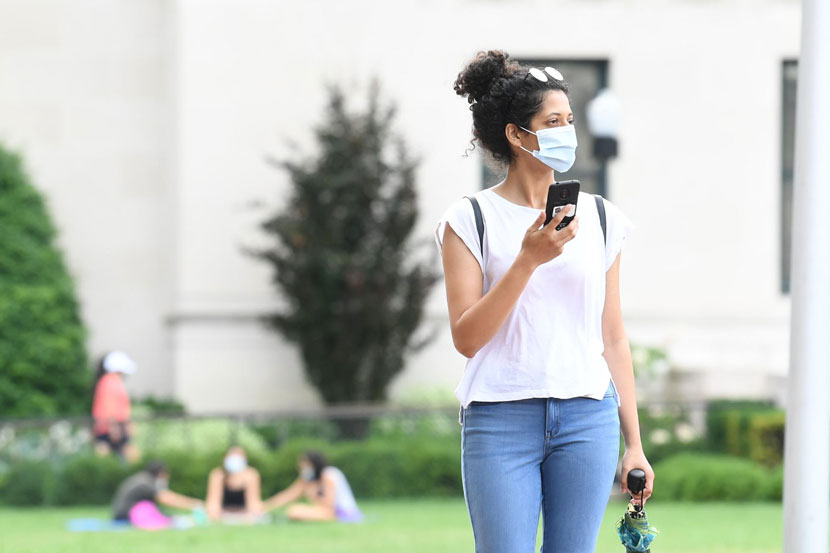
x=476, y=80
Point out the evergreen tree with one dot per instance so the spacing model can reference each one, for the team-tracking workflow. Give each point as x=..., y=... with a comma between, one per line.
x=343, y=259
x=43, y=362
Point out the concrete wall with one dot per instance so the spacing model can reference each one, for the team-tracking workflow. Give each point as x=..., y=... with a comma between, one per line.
x=84, y=97
x=179, y=103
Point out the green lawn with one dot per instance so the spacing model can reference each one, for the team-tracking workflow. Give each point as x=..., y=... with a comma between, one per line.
x=429, y=526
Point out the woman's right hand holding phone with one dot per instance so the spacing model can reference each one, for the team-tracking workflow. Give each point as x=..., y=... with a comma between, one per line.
x=541, y=245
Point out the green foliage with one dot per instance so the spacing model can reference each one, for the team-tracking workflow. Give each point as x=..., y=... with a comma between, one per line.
x=196, y=435
x=727, y=424
x=275, y=433
x=766, y=438
x=89, y=480
x=43, y=363
x=710, y=477
x=148, y=406
x=28, y=483
x=375, y=468
x=343, y=259
x=774, y=488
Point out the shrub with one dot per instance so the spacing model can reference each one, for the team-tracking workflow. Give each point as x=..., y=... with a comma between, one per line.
x=28, y=483
x=710, y=477
x=727, y=423
x=43, y=363
x=343, y=259
x=275, y=433
x=154, y=406
x=774, y=489
x=375, y=468
x=89, y=480
x=766, y=438
x=189, y=470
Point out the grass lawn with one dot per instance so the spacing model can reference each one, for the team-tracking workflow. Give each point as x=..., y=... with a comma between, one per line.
x=428, y=526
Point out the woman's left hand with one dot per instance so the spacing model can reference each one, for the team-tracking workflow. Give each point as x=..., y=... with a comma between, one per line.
x=636, y=459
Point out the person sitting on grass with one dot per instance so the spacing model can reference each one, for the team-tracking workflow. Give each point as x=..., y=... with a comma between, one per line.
x=234, y=488
x=326, y=489
x=136, y=499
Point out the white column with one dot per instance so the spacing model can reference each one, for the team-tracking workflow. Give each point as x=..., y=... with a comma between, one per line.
x=807, y=440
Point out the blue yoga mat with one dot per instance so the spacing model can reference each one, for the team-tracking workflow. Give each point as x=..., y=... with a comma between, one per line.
x=97, y=525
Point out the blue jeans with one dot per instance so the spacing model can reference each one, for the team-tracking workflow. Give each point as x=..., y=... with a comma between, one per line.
x=554, y=456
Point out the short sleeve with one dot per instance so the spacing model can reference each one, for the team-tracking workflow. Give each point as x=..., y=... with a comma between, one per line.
x=618, y=228
x=461, y=217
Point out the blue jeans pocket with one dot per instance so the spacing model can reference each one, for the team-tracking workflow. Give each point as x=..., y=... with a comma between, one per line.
x=612, y=392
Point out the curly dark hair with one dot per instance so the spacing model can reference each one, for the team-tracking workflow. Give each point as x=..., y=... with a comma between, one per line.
x=499, y=93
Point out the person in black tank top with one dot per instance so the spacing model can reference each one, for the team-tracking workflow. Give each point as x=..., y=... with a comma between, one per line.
x=234, y=488
x=233, y=500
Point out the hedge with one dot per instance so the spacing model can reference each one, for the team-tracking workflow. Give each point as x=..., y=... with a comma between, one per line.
x=710, y=477
x=728, y=422
x=375, y=469
x=766, y=438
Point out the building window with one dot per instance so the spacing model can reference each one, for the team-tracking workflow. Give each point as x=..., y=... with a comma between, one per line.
x=789, y=80
x=585, y=78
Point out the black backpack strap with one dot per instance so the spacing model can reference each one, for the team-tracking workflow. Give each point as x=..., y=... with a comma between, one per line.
x=601, y=211
x=480, y=222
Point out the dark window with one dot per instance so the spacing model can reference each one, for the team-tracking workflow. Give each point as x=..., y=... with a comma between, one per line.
x=789, y=80
x=585, y=78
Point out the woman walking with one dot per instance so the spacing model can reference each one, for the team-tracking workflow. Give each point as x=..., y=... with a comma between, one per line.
x=549, y=382
x=112, y=427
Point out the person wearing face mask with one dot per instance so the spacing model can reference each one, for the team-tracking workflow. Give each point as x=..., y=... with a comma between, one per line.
x=234, y=488
x=137, y=498
x=326, y=489
x=548, y=383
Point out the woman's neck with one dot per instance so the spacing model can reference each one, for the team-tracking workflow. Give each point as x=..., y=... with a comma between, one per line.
x=525, y=186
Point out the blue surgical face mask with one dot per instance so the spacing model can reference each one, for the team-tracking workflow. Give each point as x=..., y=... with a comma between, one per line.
x=235, y=463
x=307, y=474
x=557, y=147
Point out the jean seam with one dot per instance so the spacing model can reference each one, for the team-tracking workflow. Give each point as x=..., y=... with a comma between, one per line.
x=557, y=416
x=466, y=478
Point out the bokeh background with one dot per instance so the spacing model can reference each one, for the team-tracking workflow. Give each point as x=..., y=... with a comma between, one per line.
x=154, y=129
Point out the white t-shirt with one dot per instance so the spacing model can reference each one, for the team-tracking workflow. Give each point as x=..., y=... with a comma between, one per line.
x=551, y=344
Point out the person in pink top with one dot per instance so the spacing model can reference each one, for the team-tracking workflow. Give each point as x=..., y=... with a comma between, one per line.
x=111, y=407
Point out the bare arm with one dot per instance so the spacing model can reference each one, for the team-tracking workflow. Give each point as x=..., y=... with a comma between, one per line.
x=213, y=501
x=177, y=501
x=289, y=494
x=253, y=494
x=618, y=356
x=476, y=317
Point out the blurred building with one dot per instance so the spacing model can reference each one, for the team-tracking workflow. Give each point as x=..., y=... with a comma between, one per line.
x=147, y=124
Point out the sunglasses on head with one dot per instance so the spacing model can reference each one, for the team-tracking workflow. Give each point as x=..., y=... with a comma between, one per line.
x=543, y=75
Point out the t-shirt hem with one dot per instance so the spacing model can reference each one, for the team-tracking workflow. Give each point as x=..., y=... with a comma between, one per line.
x=524, y=394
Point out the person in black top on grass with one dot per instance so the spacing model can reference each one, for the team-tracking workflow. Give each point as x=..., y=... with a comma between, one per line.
x=234, y=488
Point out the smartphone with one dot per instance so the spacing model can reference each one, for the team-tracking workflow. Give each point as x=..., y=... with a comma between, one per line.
x=561, y=194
